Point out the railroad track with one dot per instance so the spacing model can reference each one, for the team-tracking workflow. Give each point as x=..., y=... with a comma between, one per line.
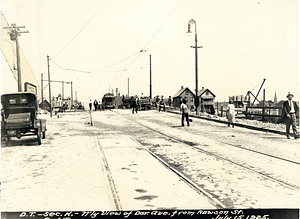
x=115, y=197
x=214, y=200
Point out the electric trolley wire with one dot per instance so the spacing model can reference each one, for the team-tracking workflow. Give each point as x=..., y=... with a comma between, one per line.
x=67, y=69
x=99, y=70
x=153, y=36
x=116, y=62
x=166, y=42
x=81, y=30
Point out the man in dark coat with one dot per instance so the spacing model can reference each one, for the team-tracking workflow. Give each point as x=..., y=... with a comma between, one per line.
x=90, y=104
x=290, y=111
x=96, y=104
x=134, y=103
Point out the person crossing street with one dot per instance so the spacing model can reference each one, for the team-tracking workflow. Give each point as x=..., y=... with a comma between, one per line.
x=184, y=113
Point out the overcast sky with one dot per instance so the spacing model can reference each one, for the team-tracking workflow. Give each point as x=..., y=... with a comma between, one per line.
x=244, y=41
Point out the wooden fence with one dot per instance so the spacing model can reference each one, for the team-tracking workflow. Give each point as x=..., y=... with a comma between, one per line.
x=266, y=113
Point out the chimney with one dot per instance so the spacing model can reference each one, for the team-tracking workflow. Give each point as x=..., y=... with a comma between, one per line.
x=202, y=88
x=181, y=87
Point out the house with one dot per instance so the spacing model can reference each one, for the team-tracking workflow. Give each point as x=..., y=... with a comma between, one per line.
x=207, y=100
x=184, y=93
x=45, y=105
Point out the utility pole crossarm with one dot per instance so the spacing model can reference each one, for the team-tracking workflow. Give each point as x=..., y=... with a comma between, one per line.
x=197, y=47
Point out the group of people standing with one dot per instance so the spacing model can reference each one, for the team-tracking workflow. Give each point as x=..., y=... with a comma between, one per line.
x=95, y=103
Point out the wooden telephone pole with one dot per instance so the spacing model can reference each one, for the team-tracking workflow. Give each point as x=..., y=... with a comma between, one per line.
x=14, y=33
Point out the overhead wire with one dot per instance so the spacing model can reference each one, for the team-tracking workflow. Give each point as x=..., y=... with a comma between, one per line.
x=137, y=53
x=117, y=62
x=166, y=42
x=153, y=36
x=80, y=30
x=67, y=69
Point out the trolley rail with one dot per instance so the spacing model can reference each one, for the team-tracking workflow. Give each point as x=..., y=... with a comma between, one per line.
x=286, y=184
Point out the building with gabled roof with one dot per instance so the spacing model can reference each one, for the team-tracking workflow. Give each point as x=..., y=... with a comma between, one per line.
x=207, y=100
x=184, y=93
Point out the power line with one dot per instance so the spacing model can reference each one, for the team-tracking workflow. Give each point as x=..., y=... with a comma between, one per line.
x=153, y=36
x=167, y=42
x=81, y=30
x=67, y=69
x=117, y=62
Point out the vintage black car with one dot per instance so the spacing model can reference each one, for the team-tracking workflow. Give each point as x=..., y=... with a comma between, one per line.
x=19, y=116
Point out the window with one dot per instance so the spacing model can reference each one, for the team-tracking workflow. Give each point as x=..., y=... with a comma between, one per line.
x=206, y=93
x=12, y=101
x=192, y=99
x=23, y=100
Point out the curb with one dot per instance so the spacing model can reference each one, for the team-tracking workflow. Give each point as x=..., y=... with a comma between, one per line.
x=236, y=124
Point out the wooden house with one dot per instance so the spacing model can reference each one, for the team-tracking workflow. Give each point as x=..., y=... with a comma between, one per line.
x=207, y=100
x=184, y=93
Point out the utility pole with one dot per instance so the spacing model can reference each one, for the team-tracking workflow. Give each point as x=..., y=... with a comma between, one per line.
x=128, y=85
x=15, y=32
x=63, y=90
x=150, y=79
x=42, y=88
x=71, y=93
x=49, y=83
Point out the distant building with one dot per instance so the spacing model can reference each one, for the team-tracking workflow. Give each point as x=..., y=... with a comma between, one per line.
x=45, y=105
x=184, y=93
x=58, y=101
x=207, y=100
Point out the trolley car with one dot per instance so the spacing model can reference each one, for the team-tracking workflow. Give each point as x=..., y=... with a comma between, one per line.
x=108, y=101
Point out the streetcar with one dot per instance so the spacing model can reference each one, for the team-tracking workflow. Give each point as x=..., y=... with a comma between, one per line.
x=109, y=101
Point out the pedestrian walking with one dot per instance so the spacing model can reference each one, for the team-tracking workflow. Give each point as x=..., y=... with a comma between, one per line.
x=290, y=112
x=162, y=104
x=184, y=113
x=134, y=103
x=230, y=114
x=90, y=104
x=170, y=101
x=95, y=104
x=157, y=102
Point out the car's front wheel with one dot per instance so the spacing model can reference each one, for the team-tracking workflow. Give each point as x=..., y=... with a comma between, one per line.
x=39, y=135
